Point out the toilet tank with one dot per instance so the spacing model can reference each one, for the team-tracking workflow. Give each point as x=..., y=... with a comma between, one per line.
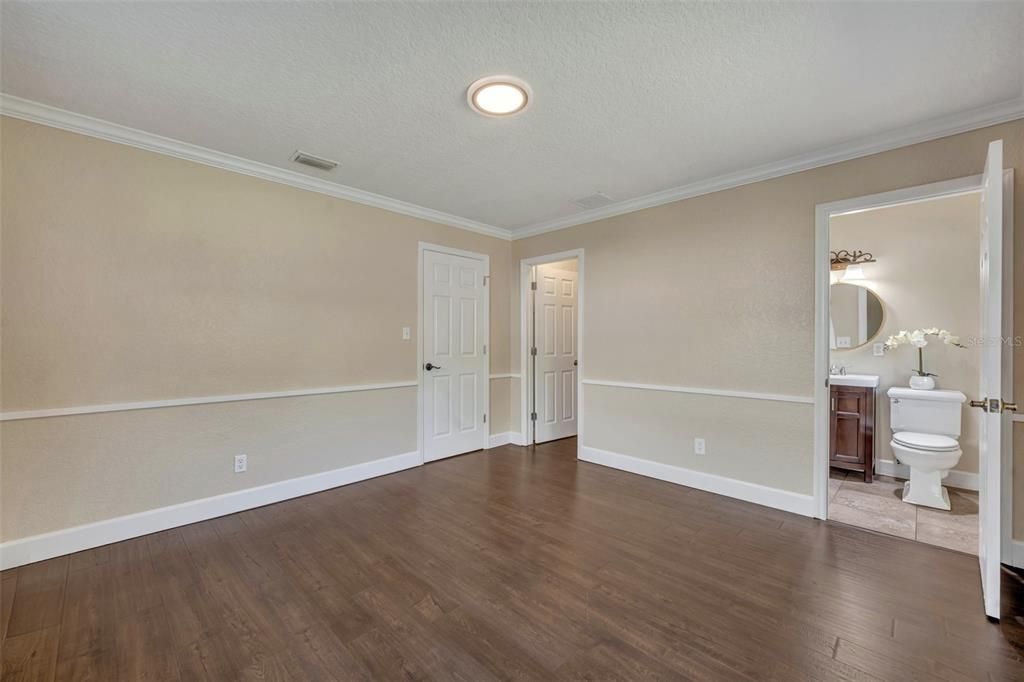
x=932, y=411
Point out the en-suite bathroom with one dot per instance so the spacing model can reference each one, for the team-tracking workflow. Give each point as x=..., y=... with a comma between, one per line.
x=905, y=308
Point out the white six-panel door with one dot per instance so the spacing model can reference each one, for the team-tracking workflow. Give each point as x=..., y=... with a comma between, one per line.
x=555, y=327
x=455, y=367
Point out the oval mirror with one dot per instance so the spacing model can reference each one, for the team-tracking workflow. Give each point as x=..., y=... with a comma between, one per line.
x=857, y=316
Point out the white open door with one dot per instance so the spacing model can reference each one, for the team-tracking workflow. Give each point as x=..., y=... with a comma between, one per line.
x=554, y=376
x=455, y=368
x=996, y=325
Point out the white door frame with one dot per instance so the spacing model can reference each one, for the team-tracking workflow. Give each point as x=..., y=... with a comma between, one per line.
x=426, y=246
x=822, y=215
x=524, y=344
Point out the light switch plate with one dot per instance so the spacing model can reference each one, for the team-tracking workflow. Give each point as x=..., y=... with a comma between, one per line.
x=878, y=349
x=406, y=333
x=699, y=447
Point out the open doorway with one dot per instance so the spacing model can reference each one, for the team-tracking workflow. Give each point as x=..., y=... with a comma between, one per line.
x=929, y=427
x=552, y=322
x=910, y=269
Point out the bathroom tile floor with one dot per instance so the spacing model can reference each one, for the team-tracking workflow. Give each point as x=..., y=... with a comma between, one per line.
x=877, y=506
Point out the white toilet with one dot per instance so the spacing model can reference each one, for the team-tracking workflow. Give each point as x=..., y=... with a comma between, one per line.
x=925, y=428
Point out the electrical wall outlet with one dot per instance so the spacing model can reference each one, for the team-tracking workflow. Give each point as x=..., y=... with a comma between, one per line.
x=241, y=463
x=878, y=349
x=843, y=342
x=406, y=333
x=698, y=446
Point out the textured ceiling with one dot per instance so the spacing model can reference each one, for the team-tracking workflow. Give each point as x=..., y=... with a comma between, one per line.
x=630, y=99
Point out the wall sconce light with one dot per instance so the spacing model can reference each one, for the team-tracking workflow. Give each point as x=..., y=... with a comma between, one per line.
x=850, y=263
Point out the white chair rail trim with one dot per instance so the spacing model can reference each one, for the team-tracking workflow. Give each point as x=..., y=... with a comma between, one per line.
x=201, y=400
x=779, y=397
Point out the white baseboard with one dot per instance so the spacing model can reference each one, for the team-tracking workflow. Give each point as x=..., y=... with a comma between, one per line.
x=75, y=539
x=507, y=438
x=729, y=487
x=958, y=479
x=1016, y=558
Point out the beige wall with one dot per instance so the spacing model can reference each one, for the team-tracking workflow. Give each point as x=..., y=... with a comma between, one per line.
x=717, y=291
x=927, y=275
x=66, y=471
x=134, y=276
x=131, y=276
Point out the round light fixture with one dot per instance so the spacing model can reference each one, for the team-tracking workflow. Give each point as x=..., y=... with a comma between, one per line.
x=499, y=95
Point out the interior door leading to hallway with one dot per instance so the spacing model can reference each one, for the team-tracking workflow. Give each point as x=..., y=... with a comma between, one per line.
x=455, y=366
x=555, y=327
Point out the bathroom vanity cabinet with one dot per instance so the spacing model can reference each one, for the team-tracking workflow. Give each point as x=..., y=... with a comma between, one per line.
x=852, y=429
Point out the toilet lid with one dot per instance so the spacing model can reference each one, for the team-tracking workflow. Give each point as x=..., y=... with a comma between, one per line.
x=925, y=441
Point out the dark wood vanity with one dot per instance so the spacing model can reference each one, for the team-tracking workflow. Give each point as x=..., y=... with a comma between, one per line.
x=852, y=429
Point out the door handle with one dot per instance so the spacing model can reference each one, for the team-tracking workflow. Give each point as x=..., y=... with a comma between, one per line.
x=429, y=366
x=994, y=405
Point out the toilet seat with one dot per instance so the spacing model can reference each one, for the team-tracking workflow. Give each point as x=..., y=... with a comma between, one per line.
x=931, y=442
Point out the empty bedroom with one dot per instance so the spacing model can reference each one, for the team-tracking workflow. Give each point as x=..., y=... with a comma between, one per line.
x=511, y=340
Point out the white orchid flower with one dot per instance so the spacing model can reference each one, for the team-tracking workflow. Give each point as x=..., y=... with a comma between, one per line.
x=918, y=339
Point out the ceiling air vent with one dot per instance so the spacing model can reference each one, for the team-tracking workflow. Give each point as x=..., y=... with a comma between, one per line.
x=594, y=201
x=314, y=161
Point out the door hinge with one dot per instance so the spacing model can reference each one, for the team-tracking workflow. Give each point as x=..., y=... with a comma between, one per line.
x=533, y=351
x=533, y=286
x=533, y=416
x=485, y=419
x=485, y=349
x=486, y=279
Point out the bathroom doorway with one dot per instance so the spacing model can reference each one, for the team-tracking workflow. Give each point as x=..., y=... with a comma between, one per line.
x=904, y=267
x=910, y=284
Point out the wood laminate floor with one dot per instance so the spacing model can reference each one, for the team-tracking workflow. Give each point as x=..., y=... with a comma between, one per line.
x=508, y=564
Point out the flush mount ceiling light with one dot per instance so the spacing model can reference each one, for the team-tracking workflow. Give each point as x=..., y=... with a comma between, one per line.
x=499, y=95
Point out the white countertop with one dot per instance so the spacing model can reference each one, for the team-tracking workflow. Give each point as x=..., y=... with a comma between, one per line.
x=865, y=380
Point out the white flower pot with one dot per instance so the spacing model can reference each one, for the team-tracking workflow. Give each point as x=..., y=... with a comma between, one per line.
x=922, y=383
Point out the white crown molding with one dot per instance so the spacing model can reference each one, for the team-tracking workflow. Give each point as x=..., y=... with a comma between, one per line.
x=199, y=400
x=17, y=107
x=901, y=137
x=35, y=112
